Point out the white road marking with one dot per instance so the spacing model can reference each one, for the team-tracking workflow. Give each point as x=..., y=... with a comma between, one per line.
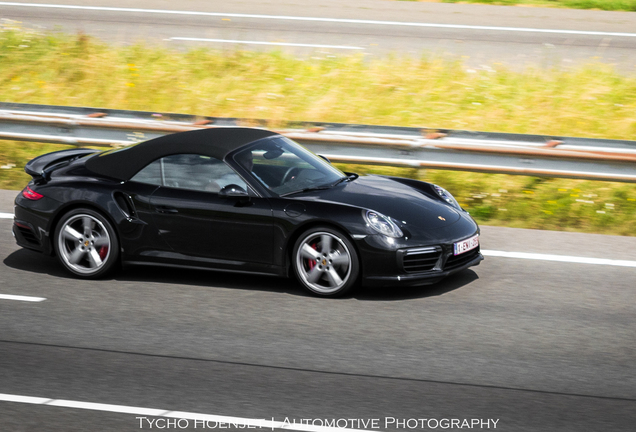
x=23, y=399
x=21, y=298
x=316, y=19
x=559, y=258
x=265, y=43
x=226, y=420
x=6, y=215
x=105, y=407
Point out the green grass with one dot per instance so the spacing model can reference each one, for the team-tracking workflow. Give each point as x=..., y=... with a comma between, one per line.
x=592, y=101
x=608, y=5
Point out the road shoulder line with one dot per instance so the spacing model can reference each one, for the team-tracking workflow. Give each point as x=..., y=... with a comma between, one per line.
x=182, y=415
x=21, y=298
x=319, y=19
x=559, y=258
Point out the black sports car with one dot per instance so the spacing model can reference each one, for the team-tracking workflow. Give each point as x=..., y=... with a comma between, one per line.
x=241, y=200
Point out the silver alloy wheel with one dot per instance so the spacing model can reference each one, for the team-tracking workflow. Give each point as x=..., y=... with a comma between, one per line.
x=323, y=262
x=84, y=244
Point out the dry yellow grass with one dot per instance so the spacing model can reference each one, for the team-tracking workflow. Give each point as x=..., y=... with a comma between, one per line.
x=609, y=5
x=592, y=101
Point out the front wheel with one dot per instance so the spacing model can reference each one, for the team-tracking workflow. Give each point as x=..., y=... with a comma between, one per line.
x=325, y=262
x=86, y=243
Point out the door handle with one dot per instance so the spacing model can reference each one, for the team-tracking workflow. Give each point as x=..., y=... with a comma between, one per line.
x=163, y=209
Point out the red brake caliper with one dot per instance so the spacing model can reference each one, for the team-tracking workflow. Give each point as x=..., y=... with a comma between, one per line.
x=103, y=251
x=312, y=263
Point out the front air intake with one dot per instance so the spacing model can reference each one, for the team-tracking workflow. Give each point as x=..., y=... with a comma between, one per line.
x=421, y=259
x=456, y=261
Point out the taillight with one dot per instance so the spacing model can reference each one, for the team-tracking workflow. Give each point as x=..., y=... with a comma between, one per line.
x=29, y=193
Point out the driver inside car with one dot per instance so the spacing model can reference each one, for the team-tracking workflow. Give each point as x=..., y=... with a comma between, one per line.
x=246, y=160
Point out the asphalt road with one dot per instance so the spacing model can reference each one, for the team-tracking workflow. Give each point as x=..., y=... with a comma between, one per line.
x=477, y=47
x=537, y=345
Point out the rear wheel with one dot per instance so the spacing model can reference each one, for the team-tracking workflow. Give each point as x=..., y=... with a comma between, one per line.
x=86, y=244
x=325, y=262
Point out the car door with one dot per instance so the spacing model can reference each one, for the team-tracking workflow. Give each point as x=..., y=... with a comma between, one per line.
x=197, y=222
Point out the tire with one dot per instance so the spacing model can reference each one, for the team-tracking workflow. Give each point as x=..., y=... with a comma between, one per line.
x=86, y=244
x=325, y=262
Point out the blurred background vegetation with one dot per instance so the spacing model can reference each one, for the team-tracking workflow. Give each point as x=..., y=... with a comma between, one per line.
x=608, y=5
x=588, y=101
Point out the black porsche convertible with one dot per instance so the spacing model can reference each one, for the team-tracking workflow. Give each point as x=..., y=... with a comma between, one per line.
x=241, y=200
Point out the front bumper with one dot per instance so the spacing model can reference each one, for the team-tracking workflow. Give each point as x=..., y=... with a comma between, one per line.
x=416, y=279
x=422, y=258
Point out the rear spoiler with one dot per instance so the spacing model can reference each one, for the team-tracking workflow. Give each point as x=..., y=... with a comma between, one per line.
x=40, y=167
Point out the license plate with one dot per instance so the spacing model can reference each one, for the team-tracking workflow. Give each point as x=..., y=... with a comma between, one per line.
x=466, y=245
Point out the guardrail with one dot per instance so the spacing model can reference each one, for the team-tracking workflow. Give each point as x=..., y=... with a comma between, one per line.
x=535, y=155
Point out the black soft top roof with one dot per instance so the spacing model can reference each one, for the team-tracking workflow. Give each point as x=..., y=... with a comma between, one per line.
x=124, y=163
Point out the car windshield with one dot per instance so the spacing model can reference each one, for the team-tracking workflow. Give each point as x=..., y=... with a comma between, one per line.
x=283, y=166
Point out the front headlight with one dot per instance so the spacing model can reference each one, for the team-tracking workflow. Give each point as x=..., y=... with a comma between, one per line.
x=446, y=196
x=382, y=224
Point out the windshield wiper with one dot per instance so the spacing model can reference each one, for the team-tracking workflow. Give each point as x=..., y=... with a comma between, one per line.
x=348, y=177
x=340, y=180
x=308, y=189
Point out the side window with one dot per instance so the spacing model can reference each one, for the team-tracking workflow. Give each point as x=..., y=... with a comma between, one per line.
x=151, y=174
x=190, y=171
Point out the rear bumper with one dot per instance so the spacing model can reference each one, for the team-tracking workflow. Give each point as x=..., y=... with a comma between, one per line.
x=28, y=237
x=29, y=228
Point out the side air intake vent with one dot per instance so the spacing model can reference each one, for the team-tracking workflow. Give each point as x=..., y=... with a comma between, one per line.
x=125, y=204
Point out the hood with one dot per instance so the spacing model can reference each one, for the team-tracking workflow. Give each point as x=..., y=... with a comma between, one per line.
x=405, y=204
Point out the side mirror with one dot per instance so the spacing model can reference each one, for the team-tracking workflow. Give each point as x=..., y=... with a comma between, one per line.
x=325, y=158
x=233, y=191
